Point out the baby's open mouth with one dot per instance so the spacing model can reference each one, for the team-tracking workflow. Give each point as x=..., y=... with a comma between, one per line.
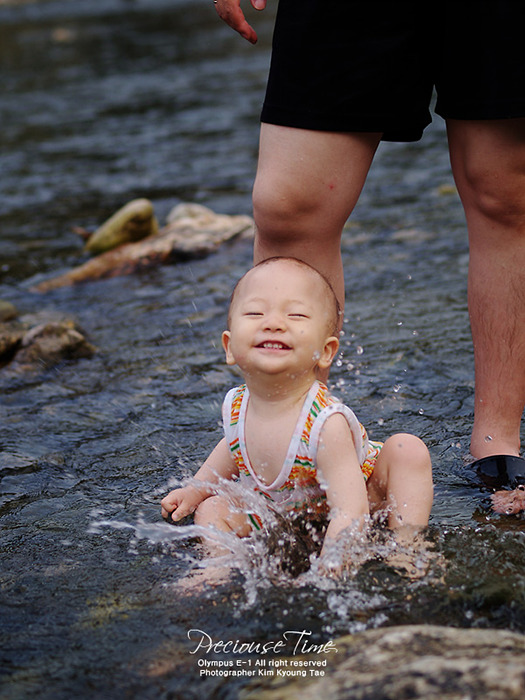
x=273, y=345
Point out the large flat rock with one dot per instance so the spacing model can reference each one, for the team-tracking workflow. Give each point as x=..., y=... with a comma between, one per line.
x=399, y=663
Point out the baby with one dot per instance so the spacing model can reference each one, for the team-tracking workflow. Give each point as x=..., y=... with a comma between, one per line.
x=286, y=438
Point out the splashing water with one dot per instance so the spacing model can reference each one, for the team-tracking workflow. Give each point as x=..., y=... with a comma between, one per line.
x=281, y=554
x=109, y=100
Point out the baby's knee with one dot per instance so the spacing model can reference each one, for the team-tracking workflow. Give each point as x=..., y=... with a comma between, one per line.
x=408, y=450
x=222, y=514
x=207, y=511
x=404, y=442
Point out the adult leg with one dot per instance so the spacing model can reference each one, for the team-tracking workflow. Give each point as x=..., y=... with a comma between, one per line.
x=488, y=161
x=307, y=184
x=401, y=483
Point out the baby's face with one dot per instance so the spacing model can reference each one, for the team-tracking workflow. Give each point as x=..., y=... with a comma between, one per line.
x=281, y=318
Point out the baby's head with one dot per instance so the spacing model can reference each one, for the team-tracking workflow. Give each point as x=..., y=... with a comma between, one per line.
x=317, y=284
x=284, y=310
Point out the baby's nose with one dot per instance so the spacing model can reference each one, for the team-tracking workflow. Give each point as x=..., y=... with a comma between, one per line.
x=275, y=321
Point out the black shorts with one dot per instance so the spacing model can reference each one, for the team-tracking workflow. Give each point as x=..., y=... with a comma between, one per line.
x=368, y=66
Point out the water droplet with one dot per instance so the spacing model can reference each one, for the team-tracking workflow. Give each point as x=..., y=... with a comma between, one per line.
x=359, y=350
x=396, y=388
x=421, y=411
x=380, y=421
x=488, y=438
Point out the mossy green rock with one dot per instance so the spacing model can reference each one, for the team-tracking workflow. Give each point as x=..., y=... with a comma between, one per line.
x=133, y=222
x=7, y=311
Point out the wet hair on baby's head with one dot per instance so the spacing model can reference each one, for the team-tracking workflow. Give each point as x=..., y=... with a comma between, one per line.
x=330, y=294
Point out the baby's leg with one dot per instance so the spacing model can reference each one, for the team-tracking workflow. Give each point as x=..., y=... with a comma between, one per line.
x=402, y=482
x=215, y=513
x=221, y=513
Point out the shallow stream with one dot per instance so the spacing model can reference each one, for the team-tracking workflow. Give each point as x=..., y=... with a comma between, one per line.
x=110, y=100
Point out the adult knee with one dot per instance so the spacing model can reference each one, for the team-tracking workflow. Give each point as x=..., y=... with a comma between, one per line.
x=287, y=216
x=488, y=161
x=282, y=218
x=496, y=195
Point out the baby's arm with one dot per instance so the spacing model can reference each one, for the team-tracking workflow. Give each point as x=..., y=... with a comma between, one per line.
x=183, y=501
x=341, y=475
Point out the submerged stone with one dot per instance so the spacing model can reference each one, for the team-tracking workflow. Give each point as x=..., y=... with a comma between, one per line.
x=41, y=340
x=7, y=311
x=11, y=334
x=49, y=343
x=191, y=232
x=427, y=662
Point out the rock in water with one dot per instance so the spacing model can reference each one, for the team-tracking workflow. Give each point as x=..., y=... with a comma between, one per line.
x=41, y=340
x=11, y=334
x=133, y=222
x=48, y=344
x=424, y=662
x=192, y=232
x=7, y=311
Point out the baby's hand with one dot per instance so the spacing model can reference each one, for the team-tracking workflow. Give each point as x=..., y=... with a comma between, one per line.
x=181, y=502
x=509, y=502
x=330, y=562
x=329, y=569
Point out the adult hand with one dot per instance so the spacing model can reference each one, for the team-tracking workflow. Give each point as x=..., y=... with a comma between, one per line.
x=230, y=11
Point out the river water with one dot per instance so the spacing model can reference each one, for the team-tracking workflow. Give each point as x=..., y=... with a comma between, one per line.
x=108, y=100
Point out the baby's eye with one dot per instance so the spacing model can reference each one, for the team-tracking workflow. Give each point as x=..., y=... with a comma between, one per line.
x=253, y=313
x=298, y=315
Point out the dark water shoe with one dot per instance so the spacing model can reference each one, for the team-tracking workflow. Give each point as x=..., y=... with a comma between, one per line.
x=498, y=471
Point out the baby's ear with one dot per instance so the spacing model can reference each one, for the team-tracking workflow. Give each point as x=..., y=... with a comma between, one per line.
x=329, y=352
x=226, y=344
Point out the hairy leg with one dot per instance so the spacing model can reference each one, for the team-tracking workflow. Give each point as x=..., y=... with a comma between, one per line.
x=307, y=184
x=401, y=482
x=488, y=161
